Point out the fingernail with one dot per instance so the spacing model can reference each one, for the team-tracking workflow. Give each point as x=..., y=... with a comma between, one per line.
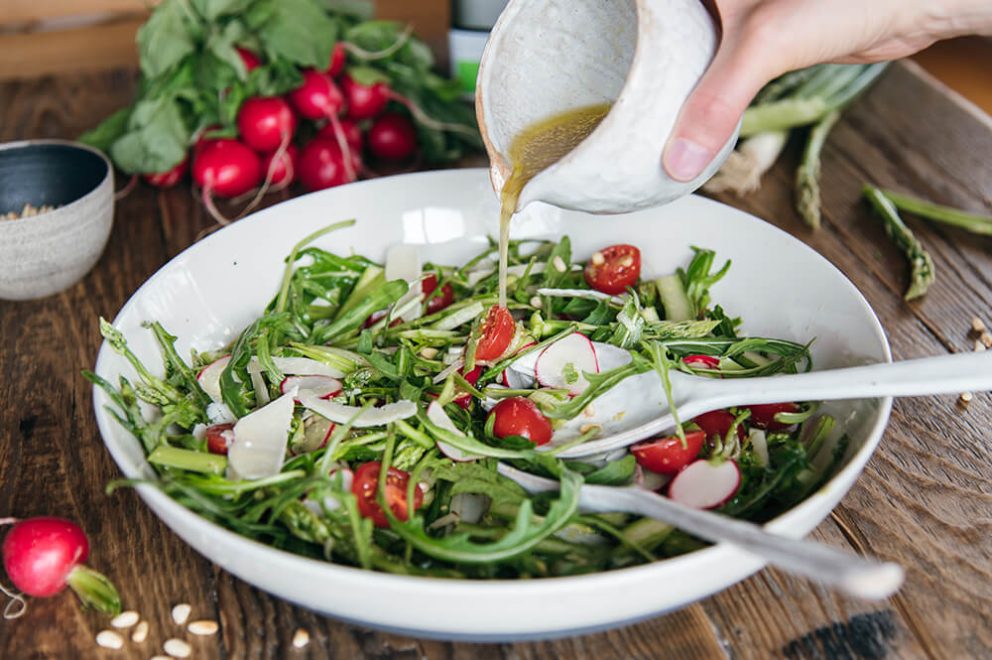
x=685, y=159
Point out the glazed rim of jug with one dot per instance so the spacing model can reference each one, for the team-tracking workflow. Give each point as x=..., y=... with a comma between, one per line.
x=547, y=57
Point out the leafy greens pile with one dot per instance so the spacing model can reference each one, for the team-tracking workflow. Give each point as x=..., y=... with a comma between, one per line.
x=471, y=522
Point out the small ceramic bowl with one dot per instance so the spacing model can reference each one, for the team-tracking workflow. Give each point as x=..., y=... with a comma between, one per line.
x=46, y=253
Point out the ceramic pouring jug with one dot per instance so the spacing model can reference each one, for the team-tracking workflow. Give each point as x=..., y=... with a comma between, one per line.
x=644, y=56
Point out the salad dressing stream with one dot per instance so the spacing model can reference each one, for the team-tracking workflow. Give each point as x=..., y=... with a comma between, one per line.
x=536, y=148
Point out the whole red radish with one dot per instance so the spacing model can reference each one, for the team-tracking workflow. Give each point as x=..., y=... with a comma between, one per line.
x=43, y=555
x=249, y=59
x=283, y=170
x=266, y=122
x=226, y=168
x=364, y=101
x=170, y=177
x=203, y=138
x=322, y=165
x=392, y=137
x=351, y=130
x=318, y=97
x=336, y=67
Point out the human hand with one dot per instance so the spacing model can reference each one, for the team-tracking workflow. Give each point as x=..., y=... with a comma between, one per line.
x=762, y=39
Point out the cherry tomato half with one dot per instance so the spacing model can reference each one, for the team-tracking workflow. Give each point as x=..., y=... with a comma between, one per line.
x=445, y=296
x=464, y=399
x=702, y=361
x=717, y=422
x=763, y=415
x=497, y=333
x=613, y=269
x=519, y=416
x=364, y=488
x=219, y=437
x=668, y=455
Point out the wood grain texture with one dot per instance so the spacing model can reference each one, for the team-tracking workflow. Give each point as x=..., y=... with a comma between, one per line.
x=924, y=499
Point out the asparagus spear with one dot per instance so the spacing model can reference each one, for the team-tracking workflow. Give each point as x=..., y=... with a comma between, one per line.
x=808, y=173
x=921, y=265
x=973, y=222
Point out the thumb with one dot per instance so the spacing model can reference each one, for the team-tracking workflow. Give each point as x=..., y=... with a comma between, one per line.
x=712, y=111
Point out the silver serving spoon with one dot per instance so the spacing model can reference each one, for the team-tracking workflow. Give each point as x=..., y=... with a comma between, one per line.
x=858, y=576
x=694, y=395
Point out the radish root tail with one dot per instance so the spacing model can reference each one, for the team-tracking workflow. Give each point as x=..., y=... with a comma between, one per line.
x=126, y=190
x=349, y=165
x=370, y=55
x=428, y=121
x=16, y=606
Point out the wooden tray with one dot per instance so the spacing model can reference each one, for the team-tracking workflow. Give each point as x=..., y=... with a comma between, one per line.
x=924, y=499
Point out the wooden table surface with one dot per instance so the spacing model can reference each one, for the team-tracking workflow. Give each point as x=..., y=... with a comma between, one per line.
x=925, y=499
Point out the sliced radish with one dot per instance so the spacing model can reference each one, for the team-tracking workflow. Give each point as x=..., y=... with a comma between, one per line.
x=209, y=377
x=437, y=416
x=342, y=414
x=323, y=387
x=260, y=438
x=563, y=363
x=705, y=485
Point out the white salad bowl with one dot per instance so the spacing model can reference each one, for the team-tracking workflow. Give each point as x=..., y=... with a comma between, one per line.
x=211, y=291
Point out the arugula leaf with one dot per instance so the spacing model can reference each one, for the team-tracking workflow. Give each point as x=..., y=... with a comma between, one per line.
x=526, y=532
x=165, y=39
x=481, y=479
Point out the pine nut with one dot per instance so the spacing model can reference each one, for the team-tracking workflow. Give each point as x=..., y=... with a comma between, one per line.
x=536, y=302
x=301, y=638
x=979, y=346
x=559, y=263
x=203, y=627
x=428, y=352
x=597, y=259
x=125, y=619
x=180, y=613
x=177, y=648
x=986, y=339
x=966, y=397
x=587, y=428
x=977, y=325
x=140, y=633
x=108, y=639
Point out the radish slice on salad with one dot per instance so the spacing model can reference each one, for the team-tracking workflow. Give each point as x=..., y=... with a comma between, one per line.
x=563, y=363
x=260, y=438
x=323, y=387
x=359, y=418
x=209, y=377
x=437, y=416
x=316, y=434
x=649, y=480
x=705, y=485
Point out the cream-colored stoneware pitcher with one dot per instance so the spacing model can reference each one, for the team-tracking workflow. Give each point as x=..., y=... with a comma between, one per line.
x=548, y=56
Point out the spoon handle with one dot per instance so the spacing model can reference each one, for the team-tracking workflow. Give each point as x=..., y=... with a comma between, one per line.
x=946, y=374
x=858, y=576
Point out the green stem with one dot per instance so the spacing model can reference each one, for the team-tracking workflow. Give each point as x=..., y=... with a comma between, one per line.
x=291, y=259
x=973, y=222
x=808, y=200
x=921, y=264
x=187, y=459
x=95, y=590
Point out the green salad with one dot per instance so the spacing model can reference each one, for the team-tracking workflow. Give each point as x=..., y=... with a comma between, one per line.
x=362, y=418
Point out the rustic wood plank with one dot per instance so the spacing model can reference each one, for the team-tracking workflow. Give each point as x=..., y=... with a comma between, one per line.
x=31, y=11
x=923, y=500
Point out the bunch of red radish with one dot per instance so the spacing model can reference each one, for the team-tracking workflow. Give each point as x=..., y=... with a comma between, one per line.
x=351, y=119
